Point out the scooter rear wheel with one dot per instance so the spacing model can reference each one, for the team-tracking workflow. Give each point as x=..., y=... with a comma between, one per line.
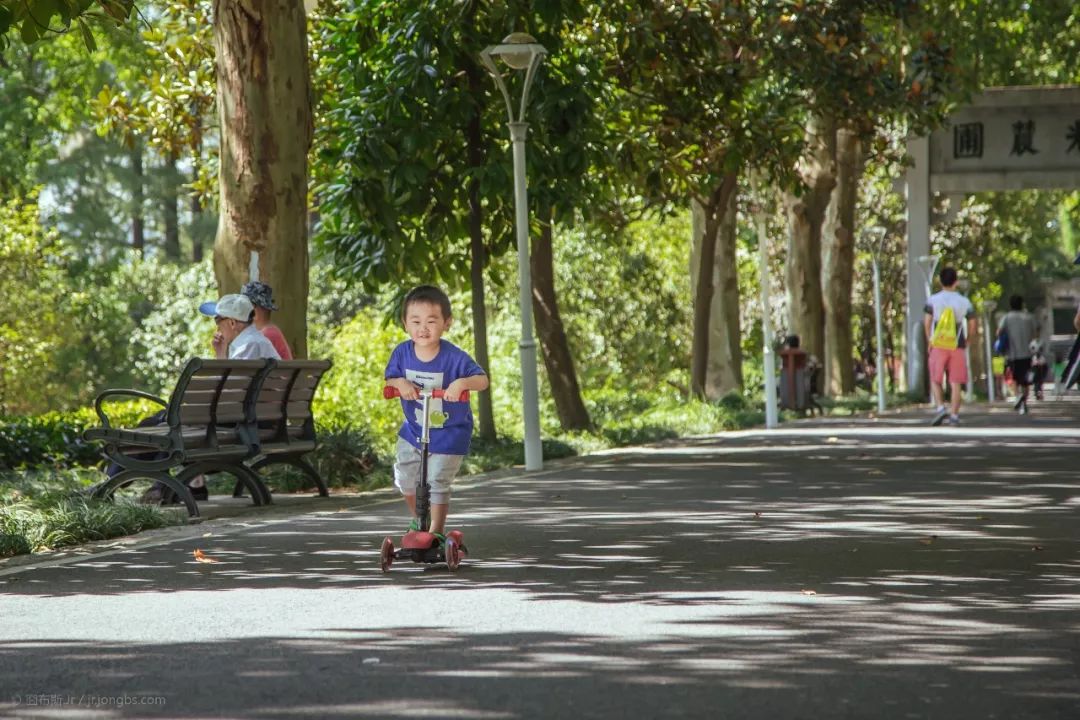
x=453, y=555
x=387, y=557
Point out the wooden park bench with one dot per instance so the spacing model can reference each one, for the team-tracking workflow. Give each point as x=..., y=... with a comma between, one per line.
x=230, y=416
x=282, y=423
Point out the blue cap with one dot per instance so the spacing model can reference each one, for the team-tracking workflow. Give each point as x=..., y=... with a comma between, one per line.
x=209, y=308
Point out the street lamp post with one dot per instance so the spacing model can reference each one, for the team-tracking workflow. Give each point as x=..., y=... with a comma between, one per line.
x=520, y=51
x=768, y=356
x=875, y=238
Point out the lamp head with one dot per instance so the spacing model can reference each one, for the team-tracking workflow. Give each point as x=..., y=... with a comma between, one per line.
x=518, y=59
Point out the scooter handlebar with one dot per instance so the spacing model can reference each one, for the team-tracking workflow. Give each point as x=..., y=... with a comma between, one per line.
x=389, y=392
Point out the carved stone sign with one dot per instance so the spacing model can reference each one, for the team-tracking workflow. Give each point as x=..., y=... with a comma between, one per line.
x=1010, y=139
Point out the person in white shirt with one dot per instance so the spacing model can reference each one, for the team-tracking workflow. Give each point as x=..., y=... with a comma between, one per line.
x=237, y=338
x=948, y=357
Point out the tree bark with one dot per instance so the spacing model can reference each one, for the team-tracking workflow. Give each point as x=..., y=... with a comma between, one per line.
x=138, y=198
x=838, y=264
x=714, y=208
x=558, y=361
x=806, y=213
x=196, y=229
x=723, y=372
x=264, y=103
x=171, y=210
x=478, y=254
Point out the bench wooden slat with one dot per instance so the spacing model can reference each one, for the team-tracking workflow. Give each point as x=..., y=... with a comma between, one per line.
x=211, y=384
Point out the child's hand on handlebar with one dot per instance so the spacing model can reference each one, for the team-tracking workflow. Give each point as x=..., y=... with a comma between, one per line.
x=406, y=388
x=453, y=391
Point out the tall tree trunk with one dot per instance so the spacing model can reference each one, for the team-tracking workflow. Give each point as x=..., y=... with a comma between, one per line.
x=806, y=213
x=714, y=208
x=138, y=200
x=478, y=252
x=196, y=228
x=723, y=372
x=838, y=264
x=171, y=210
x=558, y=361
x=264, y=102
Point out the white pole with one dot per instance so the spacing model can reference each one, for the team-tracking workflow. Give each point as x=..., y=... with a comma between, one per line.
x=880, y=343
x=253, y=266
x=768, y=359
x=534, y=453
x=989, y=358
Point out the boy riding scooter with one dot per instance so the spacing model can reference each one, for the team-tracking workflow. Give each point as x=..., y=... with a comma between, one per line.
x=419, y=366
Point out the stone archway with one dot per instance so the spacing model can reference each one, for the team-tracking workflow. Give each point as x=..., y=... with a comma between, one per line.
x=1007, y=138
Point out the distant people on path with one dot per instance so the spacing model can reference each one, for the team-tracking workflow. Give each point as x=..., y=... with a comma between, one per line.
x=949, y=322
x=1018, y=328
x=261, y=296
x=237, y=338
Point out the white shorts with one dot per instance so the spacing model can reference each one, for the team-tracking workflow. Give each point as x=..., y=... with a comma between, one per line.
x=441, y=471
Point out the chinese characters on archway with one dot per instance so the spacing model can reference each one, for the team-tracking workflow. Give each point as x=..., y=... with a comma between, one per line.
x=968, y=139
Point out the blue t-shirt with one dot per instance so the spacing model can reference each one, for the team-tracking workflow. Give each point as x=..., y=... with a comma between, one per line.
x=451, y=422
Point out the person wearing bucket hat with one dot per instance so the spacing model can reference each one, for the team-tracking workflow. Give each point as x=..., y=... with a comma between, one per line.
x=261, y=296
x=237, y=338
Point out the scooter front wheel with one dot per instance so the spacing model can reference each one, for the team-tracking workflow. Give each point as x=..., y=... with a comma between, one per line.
x=453, y=555
x=387, y=557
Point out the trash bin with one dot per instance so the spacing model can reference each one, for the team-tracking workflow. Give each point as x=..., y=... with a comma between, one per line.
x=794, y=376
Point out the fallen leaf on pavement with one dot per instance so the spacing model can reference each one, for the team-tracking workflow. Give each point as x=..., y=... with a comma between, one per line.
x=202, y=557
x=832, y=439
x=928, y=540
x=877, y=472
x=1036, y=547
x=809, y=592
x=757, y=514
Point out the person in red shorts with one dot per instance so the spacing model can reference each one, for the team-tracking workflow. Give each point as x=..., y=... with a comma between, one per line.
x=949, y=322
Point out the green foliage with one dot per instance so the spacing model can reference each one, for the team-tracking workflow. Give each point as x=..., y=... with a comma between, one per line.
x=55, y=438
x=412, y=134
x=33, y=519
x=626, y=315
x=351, y=393
x=171, y=330
x=40, y=19
x=31, y=328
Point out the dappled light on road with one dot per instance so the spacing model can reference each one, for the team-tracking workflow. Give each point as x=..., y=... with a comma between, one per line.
x=758, y=570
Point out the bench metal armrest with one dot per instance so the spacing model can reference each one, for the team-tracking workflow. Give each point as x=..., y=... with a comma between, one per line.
x=132, y=393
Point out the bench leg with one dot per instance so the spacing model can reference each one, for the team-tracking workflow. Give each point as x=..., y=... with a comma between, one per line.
x=106, y=490
x=244, y=475
x=300, y=464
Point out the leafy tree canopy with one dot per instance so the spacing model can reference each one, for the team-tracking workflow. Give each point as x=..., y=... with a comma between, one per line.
x=39, y=19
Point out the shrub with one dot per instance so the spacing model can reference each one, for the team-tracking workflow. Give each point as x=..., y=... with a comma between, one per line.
x=46, y=508
x=55, y=438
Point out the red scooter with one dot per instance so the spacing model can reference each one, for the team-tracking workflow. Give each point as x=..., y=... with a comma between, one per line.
x=421, y=545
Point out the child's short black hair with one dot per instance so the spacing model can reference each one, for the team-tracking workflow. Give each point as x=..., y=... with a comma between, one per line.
x=948, y=276
x=1016, y=302
x=427, y=294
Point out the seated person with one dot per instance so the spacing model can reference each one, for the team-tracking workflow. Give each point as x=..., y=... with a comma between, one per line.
x=261, y=296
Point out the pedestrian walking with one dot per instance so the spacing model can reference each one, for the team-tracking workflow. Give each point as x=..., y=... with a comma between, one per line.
x=1018, y=328
x=949, y=322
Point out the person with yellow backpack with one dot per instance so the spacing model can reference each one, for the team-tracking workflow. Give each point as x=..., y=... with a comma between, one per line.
x=949, y=322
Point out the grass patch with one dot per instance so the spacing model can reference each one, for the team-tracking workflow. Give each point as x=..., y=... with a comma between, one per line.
x=46, y=509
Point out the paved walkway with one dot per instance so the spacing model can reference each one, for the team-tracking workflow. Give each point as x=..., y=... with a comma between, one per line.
x=831, y=569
